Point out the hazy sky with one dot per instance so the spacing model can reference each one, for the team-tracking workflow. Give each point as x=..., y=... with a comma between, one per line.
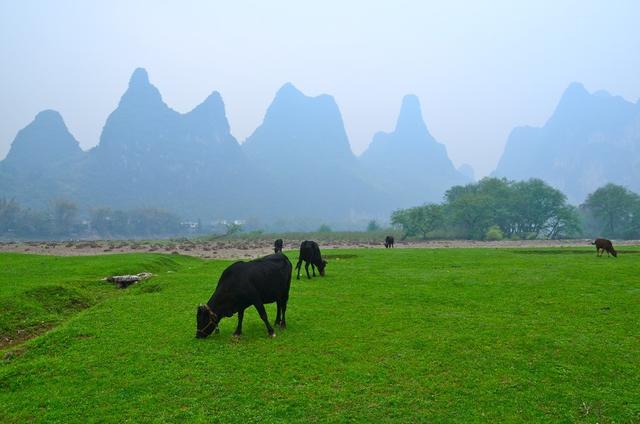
x=479, y=67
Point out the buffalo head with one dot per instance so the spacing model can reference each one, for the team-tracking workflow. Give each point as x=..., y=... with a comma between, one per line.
x=206, y=321
x=321, y=267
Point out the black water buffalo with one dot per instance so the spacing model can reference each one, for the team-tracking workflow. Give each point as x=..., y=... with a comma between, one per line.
x=388, y=241
x=277, y=246
x=603, y=245
x=310, y=254
x=242, y=284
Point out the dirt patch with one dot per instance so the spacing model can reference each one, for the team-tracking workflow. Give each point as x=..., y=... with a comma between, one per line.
x=250, y=249
x=568, y=252
x=51, y=303
x=12, y=354
x=149, y=288
x=24, y=334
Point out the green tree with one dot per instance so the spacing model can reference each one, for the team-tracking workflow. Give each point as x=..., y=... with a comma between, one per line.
x=153, y=222
x=324, y=228
x=9, y=215
x=233, y=228
x=494, y=233
x=418, y=221
x=634, y=225
x=564, y=224
x=536, y=206
x=35, y=224
x=101, y=221
x=64, y=213
x=613, y=209
x=521, y=209
x=473, y=208
x=373, y=226
x=471, y=214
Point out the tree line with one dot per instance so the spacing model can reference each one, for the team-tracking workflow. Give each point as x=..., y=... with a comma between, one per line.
x=496, y=208
x=62, y=219
x=491, y=209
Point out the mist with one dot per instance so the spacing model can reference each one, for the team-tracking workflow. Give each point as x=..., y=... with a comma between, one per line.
x=479, y=69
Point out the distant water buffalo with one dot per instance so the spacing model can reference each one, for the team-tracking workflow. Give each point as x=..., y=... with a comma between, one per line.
x=603, y=245
x=242, y=284
x=277, y=246
x=310, y=254
x=388, y=242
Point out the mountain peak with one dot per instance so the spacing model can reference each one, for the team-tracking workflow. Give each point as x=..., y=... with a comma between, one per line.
x=210, y=114
x=584, y=144
x=139, y=77
x=46, y=139
x=49, y=117
x=574, y=92
x=140, y=91
x=213, y=103
x=288, y=90
x=409, y=162
x=301, y=124
x=580, y=110
x=576, y=87
x=410, y=118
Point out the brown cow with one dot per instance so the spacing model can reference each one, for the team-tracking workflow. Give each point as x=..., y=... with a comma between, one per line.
x=603, y=245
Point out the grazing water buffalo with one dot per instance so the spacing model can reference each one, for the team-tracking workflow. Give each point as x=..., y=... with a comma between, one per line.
x=277, y=246
x=310, y=254
x=603, y=245
x=388, y=241
x=242, y=284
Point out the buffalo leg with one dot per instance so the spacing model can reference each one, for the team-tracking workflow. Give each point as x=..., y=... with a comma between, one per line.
x=283, y=307
x=263, y=316
x=278, y=314
x=313, y=269
x=298, y=266
x=238, y=331
x=306, y=268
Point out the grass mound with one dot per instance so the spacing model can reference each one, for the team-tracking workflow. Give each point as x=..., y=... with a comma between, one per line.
x=40, y=292
x=36, y=310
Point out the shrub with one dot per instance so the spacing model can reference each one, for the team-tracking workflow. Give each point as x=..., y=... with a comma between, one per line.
x=494, y=233
x=373, y=226
x=324, y=228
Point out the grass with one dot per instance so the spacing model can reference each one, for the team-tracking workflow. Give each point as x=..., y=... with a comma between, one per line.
x=412, y=335
x=38, y=292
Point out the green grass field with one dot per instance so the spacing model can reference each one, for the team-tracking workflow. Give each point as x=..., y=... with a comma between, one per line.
x=412, y=335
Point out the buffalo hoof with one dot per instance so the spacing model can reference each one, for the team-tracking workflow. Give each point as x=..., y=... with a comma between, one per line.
x=272, y=335
x=237, y=335
x=283, y=325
